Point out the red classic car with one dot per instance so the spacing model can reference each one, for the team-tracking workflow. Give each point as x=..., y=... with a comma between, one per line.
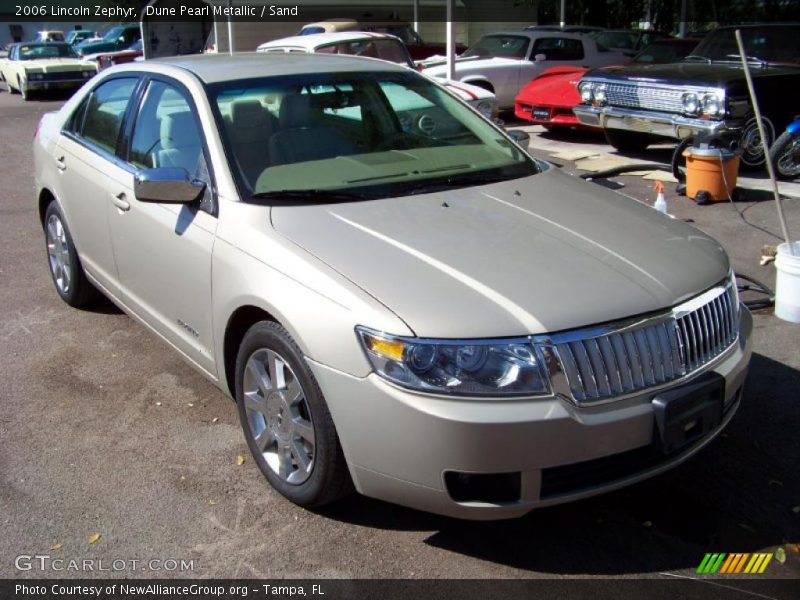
x=548, y=99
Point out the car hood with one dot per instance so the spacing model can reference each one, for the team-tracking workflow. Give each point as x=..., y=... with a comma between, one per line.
x=54, y=65
x=95, y=47
x=690, y=73
x=534, y=255
x=557, y=88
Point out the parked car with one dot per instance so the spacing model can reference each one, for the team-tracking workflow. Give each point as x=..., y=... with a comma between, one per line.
x=705, y=92
x=785, y=152
x=385, y=47
x=49, y=35
x=76, y=36
x=504, y=62
x=436, y=319
x=629, y=41
x=109, y=59
x=549, y=99
x=33, y=67
x=418, y=48
x=117, y=38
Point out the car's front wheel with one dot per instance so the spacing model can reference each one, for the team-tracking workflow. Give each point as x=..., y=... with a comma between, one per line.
x=65, y=266
x=628, y=141
x=22, y=87
x=285, y=419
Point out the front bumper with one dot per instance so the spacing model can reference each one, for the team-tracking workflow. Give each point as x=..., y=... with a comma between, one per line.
x=400, y=445
x=59, y=84
x=651, y=122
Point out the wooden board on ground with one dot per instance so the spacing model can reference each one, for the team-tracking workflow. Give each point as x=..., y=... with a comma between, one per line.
x=661, y=176
x=573, y=154
x=602, y=163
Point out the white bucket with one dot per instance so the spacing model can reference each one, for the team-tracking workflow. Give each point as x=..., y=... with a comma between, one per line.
x=787, y=286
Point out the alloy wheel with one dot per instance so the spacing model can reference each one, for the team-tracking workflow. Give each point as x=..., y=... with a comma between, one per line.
x=58, y=254
x=278, y=416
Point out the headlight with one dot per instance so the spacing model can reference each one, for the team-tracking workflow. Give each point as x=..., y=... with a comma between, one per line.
x=585, y=88
x=87, y=74
x=600, y=93
x=35, y=76
x=690, y=103
x=485, y=108
x=464, y=368
x=712, y=105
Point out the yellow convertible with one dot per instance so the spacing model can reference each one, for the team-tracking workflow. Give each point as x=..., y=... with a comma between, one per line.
x=36, y=66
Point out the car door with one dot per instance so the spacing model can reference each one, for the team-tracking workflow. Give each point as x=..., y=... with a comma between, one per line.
x=163, y=251
x=85, y=153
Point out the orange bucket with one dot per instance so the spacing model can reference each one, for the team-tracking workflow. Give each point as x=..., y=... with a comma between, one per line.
x=711, y=170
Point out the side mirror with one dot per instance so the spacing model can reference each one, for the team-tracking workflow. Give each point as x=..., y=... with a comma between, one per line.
x=539, y=58
x=522, y=139
x=168, y=185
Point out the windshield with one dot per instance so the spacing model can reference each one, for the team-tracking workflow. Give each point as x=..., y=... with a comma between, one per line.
x=665, y=52
x=37, y=51
x=113, y=34
x=360, y=135
x=505, y=46
x=769, y=44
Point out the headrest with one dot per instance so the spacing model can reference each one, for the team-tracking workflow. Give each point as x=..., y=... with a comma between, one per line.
x=178, y=130
x=248, y=113
x=295, y=111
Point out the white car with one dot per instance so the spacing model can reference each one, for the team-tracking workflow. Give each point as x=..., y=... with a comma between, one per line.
x=505, y=62
x=381, y=46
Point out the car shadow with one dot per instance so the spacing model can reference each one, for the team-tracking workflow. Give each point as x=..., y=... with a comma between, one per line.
x=736, y=495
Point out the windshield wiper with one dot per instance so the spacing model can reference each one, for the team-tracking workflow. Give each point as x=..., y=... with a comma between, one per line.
x=311, y=194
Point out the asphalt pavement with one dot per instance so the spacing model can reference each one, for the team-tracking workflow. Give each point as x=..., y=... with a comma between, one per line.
x=104, y=430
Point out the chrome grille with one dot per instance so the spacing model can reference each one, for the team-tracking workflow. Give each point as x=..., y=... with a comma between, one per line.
x=641, y=96
x=652, y=352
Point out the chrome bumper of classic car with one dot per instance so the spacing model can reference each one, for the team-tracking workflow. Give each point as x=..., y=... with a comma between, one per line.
x=645, y=121
x=53, y=84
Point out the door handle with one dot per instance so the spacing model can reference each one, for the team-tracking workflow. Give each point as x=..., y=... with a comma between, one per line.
x=120, y=202
x=61, y=165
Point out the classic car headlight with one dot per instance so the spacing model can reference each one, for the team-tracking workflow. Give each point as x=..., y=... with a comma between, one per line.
x=485, y=108
x=458, y=367
x=690, y=103
x=585, y=88
x=87, y=74
x=35, y=76
x=712, y=105
x=599, y=93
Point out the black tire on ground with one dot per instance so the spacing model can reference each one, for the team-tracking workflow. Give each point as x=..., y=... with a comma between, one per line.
x=785, y=155
x=628, y=141
x=78, y=291
x=329, y=479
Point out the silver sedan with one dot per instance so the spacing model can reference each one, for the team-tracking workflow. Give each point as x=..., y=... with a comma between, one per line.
x=426, y=315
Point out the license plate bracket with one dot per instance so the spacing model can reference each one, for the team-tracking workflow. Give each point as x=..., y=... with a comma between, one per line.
x=542, y=114
x=689, y=412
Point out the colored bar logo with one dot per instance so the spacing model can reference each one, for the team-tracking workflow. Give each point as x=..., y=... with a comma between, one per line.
x=740, y=562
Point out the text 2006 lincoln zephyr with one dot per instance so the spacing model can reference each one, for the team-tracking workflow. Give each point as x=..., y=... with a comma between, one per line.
x=400, y=300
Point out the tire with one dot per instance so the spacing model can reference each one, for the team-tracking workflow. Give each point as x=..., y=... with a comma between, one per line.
x=288, y=426
x=752, y=157
x=785, y=155
x=23, y=90
x=65, y=265
x=9, y=87
x=627, y=141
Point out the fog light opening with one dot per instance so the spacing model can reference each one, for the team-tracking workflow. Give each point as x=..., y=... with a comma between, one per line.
x=491, y=488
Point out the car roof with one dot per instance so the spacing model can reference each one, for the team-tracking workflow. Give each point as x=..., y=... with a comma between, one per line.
x=313, y=40
x=50, y=43
x=216, y=68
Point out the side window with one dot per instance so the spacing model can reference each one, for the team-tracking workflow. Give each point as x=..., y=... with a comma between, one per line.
x=105, y=111
x=558, y=48
x=166, y=132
